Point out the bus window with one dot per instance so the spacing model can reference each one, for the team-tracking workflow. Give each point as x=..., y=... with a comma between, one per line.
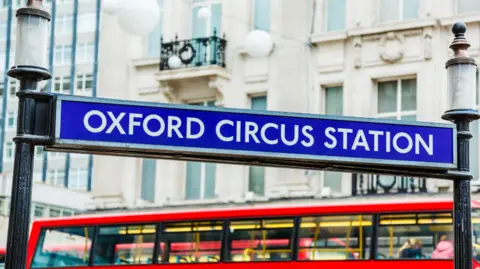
x=191, y=242
x=131, y=244
x=476, y=233
x=335, y=237
x=260, y=240
x=415, y=236
x=63, y=247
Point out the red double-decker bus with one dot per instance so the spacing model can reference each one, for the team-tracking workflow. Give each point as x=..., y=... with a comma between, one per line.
x=381, y=235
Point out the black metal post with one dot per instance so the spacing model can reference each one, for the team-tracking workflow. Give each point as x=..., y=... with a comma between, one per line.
x=462, y=93
x=461, y=199
x=18, y=225
x=33, y=128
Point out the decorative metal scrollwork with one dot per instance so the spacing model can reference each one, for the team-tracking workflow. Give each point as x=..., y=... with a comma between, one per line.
x=187, y=53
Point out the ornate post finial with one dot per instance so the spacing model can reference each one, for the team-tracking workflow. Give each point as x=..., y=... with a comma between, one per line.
x=460, y=43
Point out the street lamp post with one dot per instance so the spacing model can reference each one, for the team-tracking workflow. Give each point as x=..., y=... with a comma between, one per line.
x=30, y=68
x=461, y=70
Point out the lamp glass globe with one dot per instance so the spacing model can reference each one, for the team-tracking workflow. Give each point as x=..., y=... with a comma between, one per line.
x=138, y=17
x=110, y=6
x=258, y=43
x=204, y=13
x=174, y=62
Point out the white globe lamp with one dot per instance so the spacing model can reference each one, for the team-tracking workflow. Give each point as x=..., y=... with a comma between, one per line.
x=110, y=6
x=138, y=17
x=258, y=43
x=174, y=62
x=204, y=13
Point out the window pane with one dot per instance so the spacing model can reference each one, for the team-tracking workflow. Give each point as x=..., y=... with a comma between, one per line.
x=335, y=238
x=410, y=9
x=332, y=180
x=67, y=54
x=389, y=10
x=80, y=82
x=416, y=236
x=66, y=84
x=261, y=15
x=209, y=181
x=191, y=242
x=260, y=240
x=256, y=180
x=193, y=180
x=468, y=6
x=387, y=96
x=125, y=245
x=409, y=94
x=334, y=101
x=335, y=15
x=259, y=103
x=38, y=211
x=148, y=179
x=66, y=247
x=155, y=35
x=54, y=213
x=199, y=26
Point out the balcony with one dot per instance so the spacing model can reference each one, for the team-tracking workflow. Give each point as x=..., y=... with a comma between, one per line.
x=363, y=184
x=193, y=69
x=194, y=52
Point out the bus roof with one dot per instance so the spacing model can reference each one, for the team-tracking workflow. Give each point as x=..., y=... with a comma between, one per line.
x=371, y=206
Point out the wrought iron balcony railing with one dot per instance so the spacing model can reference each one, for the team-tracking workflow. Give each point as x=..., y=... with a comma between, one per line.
x=363, y=184
x=194, y=52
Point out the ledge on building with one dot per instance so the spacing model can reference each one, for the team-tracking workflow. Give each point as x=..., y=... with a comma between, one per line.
x=319, y=38
x=146, y=61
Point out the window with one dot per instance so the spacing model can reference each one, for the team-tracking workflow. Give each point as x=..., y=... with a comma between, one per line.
x=394, y=10
x=260, y=240
x=78, y=179
x=413, y=236
x=14, y=85
x=335, y=15
x=11, y=118
x=200, y=182
x=85, y=52
x=46, y=256
x=148, y=179
x=63, y=24
x=464, y=6
x=84, y=84
x=54, y=213
x=56, y=177
x=261, y=18
x=335, y=238
x=191, y=242
x=9, y=150
x=205, y=28
x=124, y=245
x=333, y=97
x=256, y=174
x=63, y=54
x=62, y=85
x=38, y=211
x=397, y=99
x=154, y=37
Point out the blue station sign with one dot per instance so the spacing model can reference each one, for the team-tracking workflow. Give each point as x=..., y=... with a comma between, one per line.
x=219, y=134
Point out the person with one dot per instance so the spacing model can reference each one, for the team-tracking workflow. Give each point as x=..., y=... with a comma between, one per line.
x=411, y=249
x=444, y=248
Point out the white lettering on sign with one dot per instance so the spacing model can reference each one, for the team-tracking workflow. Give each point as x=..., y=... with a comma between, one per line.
x=266, y=133
x=402, y=142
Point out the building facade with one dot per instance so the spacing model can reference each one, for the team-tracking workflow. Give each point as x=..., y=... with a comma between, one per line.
x=370, y=58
